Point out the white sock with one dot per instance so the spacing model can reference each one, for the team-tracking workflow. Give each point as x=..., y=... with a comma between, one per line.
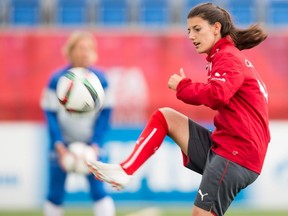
x=104, y=207
x=51, y=209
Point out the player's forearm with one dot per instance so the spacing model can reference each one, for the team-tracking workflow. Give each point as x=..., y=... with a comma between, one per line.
x=60, y=148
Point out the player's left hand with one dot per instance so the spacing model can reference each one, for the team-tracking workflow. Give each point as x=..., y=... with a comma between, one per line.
x=175, y=79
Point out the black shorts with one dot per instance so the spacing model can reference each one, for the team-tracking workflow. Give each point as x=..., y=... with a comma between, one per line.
x=222, y=179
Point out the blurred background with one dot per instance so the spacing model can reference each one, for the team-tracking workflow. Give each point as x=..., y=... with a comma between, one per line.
x=140, y=43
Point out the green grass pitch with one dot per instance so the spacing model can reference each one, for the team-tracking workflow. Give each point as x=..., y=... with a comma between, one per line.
x=160, y=212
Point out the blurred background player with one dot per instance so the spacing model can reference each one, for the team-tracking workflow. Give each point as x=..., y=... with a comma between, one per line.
x=65, y=128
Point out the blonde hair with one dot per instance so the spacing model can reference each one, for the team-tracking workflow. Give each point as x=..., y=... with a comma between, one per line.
x=73, y=40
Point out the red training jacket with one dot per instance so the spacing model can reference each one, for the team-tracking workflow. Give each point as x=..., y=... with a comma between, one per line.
x=236, y=91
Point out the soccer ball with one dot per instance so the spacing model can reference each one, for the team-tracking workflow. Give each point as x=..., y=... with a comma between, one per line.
x=75, y=160
x=80, y=90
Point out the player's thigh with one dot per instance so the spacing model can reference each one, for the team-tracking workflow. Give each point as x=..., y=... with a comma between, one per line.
x=57, y=176
x=56, y=183
x=196, y=211
x=178, y=127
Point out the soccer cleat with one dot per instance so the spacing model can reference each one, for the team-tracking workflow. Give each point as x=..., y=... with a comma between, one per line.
x=110, y=173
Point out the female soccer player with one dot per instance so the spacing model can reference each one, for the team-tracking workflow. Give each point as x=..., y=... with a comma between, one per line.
x=65, y=128
x=231, y=157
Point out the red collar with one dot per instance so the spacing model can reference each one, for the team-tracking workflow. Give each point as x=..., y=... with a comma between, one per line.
x=219, y=44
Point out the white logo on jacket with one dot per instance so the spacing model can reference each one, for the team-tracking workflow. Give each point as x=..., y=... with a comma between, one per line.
x=219, y=77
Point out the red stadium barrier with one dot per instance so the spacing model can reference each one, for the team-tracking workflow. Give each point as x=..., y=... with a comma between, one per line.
x=28, y=58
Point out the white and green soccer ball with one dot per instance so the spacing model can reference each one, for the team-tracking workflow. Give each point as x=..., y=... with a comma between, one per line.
x=80, y=90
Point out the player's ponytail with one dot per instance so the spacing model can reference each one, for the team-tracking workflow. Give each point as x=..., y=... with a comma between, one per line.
x=248, y=38
x=243, y=38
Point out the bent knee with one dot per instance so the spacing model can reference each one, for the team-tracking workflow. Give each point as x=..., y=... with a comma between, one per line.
x=171, y=114
x=166, y=110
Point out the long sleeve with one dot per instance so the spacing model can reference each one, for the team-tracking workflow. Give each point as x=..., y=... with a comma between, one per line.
x=53, y=128
x=224, y=80
x=50, y=106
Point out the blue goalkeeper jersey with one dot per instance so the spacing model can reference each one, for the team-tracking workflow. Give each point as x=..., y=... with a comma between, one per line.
x=67, y=127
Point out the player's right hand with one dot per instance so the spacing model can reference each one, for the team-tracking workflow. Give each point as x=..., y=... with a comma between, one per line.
x=175, y=79
x=64, y=156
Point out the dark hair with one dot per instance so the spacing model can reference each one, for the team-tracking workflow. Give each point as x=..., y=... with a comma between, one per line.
x=243, y=38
